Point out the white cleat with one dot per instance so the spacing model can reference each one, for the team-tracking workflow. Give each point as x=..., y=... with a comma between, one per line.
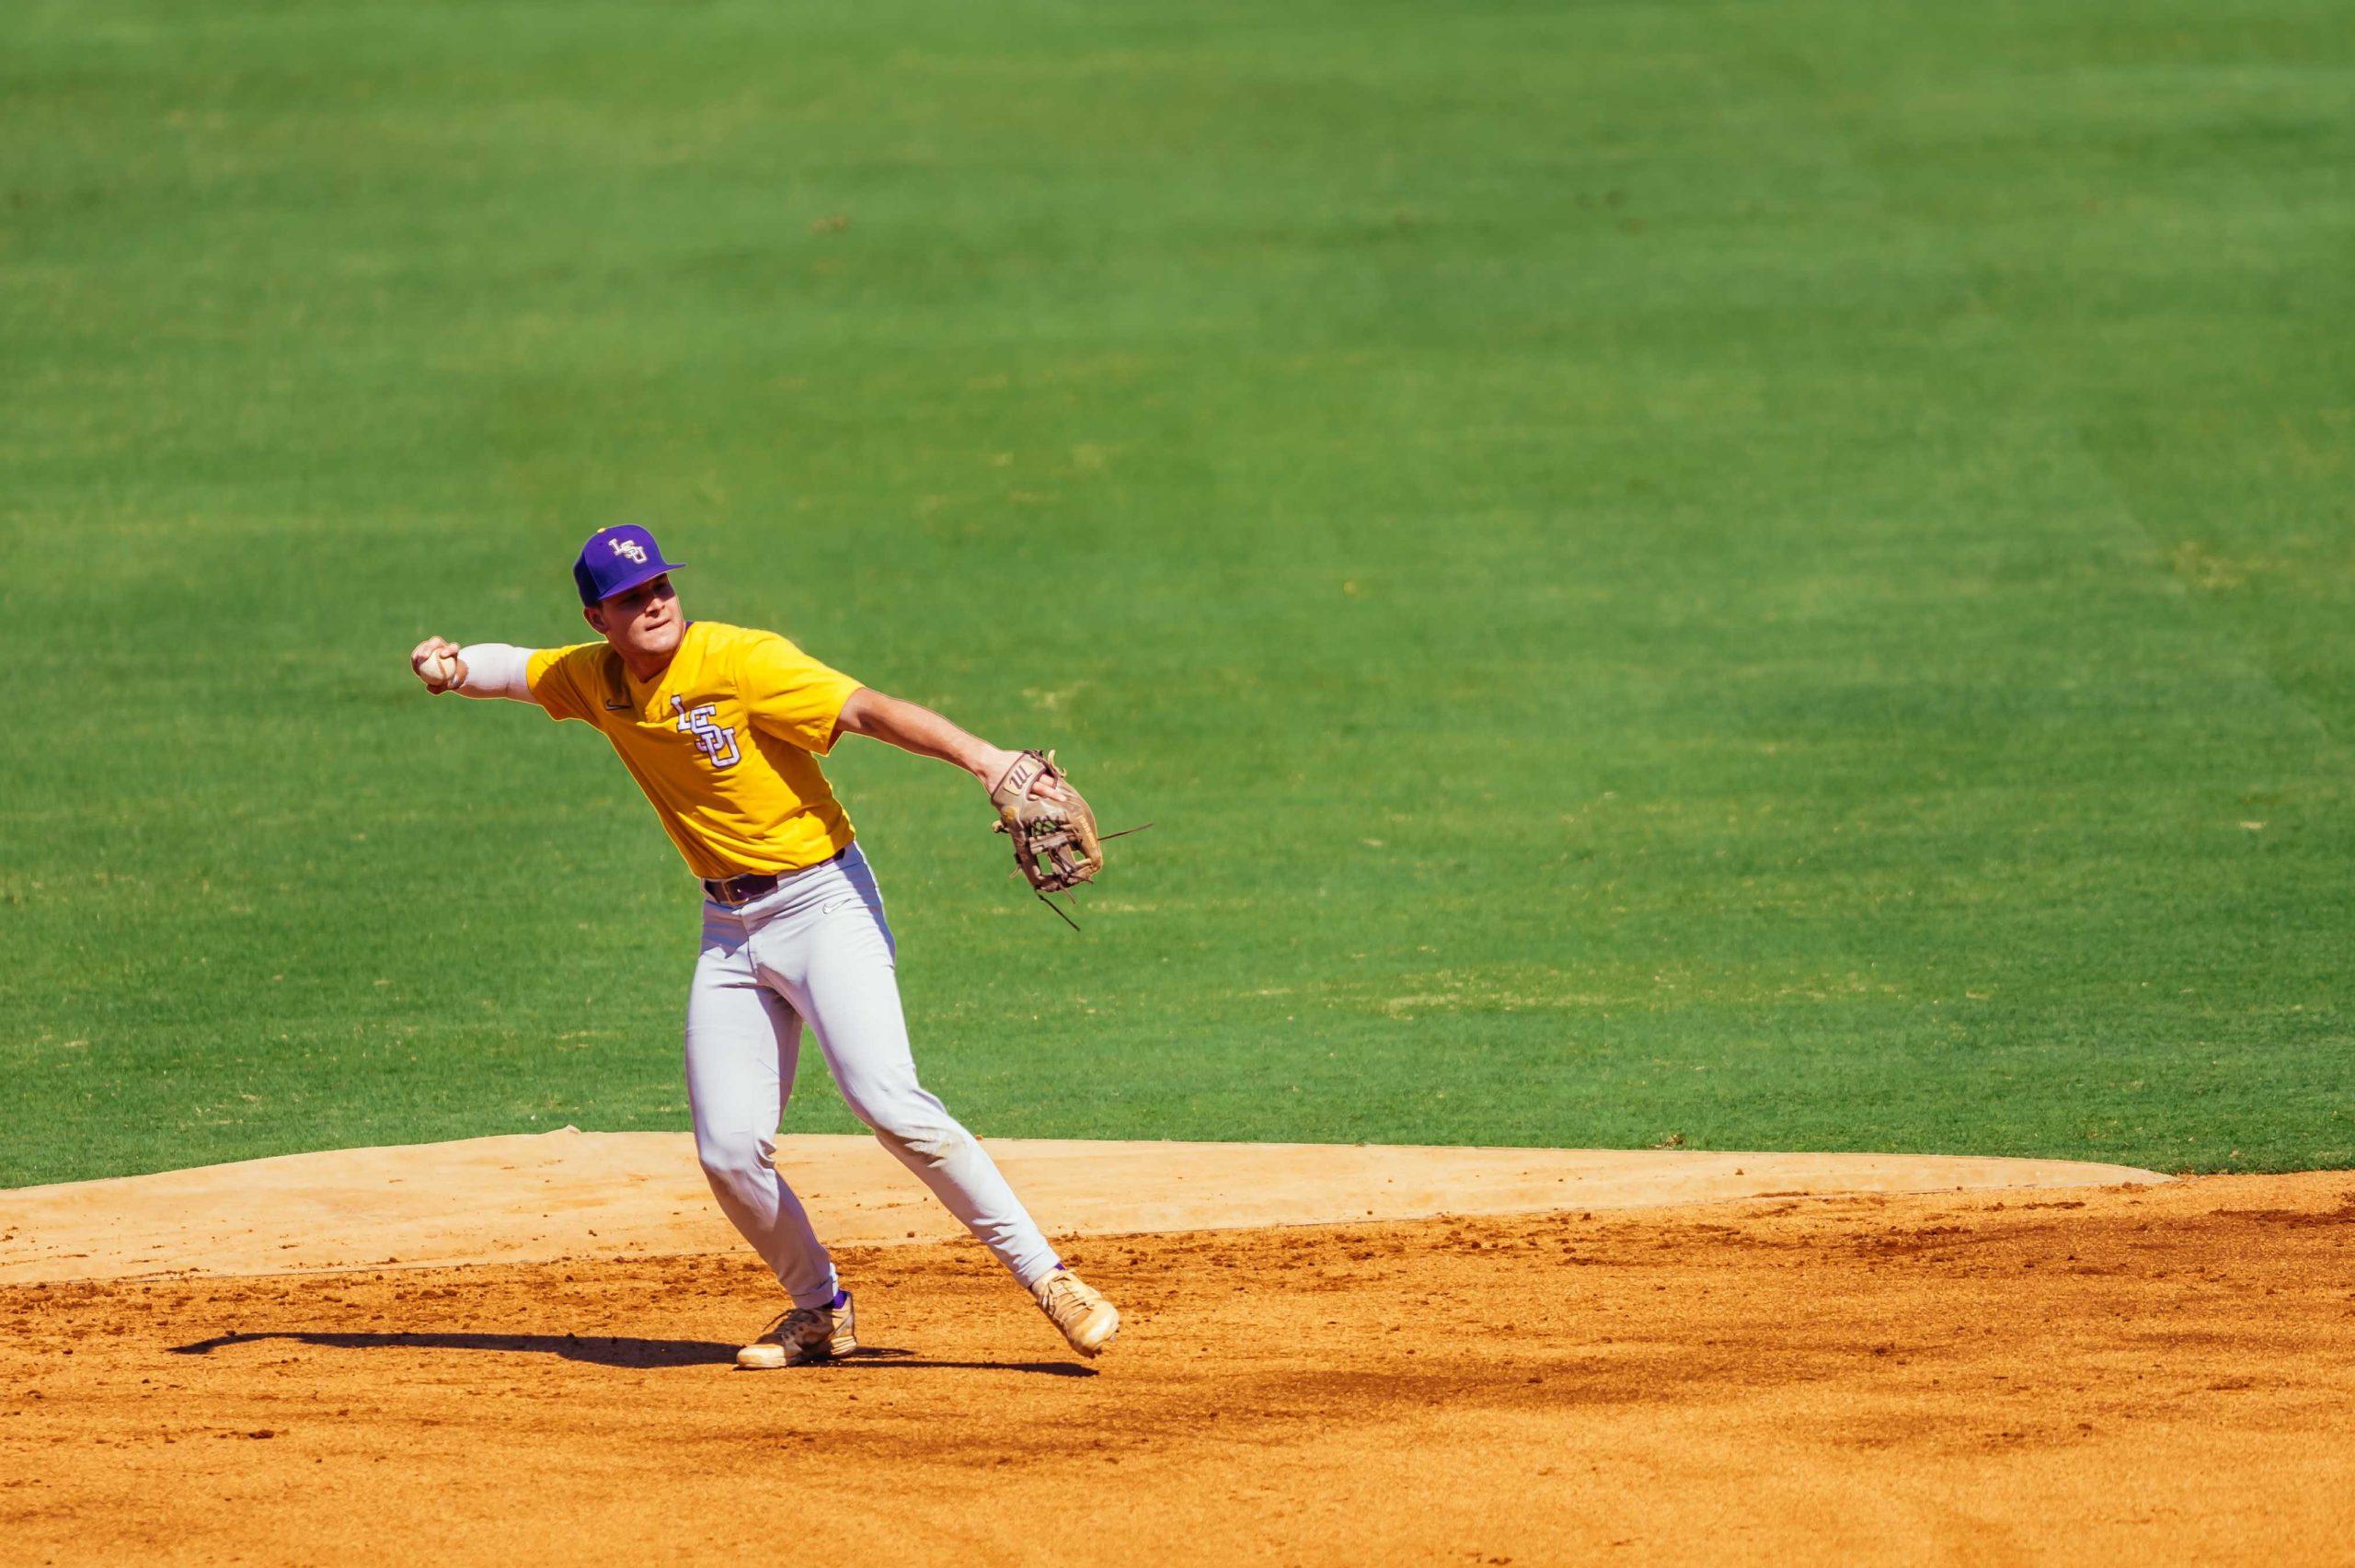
x=803, y=1335
x=1087, y=1320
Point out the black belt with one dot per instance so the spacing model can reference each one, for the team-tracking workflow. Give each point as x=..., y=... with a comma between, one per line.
x=736, y=891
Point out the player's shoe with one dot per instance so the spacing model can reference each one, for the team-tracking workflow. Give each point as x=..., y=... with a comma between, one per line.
x=803, y=1335
x=1087, y=1320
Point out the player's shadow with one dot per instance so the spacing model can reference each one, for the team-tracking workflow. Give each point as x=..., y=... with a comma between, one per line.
x=599, y=1350
x=603, y=1350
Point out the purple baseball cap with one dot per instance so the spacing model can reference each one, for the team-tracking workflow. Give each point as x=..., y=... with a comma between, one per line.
x=616, y=560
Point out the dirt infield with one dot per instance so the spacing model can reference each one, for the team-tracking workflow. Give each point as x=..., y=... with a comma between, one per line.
x=2154, y=1373
x=613, y=1196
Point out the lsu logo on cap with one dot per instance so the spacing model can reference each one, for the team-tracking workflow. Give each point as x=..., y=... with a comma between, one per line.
x=631, y=548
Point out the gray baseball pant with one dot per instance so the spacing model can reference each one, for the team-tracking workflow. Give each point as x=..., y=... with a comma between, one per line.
x=818, y=950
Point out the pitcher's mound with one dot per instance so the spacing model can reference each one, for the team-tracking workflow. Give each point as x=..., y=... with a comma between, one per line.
x=534, y=1198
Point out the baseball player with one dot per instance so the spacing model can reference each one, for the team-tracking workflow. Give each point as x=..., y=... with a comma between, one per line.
x=722, y=727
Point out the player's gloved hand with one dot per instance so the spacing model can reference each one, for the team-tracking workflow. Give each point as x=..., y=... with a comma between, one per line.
x=435, y=661
x=1053, y=830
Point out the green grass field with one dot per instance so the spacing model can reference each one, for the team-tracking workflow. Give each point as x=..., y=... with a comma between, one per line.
x=1769, y=575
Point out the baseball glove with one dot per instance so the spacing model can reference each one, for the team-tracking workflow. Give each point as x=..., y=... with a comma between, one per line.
x=1055, y=844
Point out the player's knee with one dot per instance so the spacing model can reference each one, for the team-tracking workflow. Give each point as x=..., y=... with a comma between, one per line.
x=910, y=1125
x=735, y=1161
x=933, y=1145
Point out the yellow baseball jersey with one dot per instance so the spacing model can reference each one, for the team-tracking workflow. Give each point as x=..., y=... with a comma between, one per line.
x=725, y=742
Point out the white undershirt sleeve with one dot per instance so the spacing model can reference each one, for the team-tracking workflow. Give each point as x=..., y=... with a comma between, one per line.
x=496, y=670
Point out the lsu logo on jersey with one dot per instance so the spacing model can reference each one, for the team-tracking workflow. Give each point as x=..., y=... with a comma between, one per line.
x=699, y=723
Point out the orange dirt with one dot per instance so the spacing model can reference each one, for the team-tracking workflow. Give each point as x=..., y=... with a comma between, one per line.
x=2101, y=1375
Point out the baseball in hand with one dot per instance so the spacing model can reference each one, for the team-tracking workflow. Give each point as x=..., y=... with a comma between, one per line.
x=438, y=669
